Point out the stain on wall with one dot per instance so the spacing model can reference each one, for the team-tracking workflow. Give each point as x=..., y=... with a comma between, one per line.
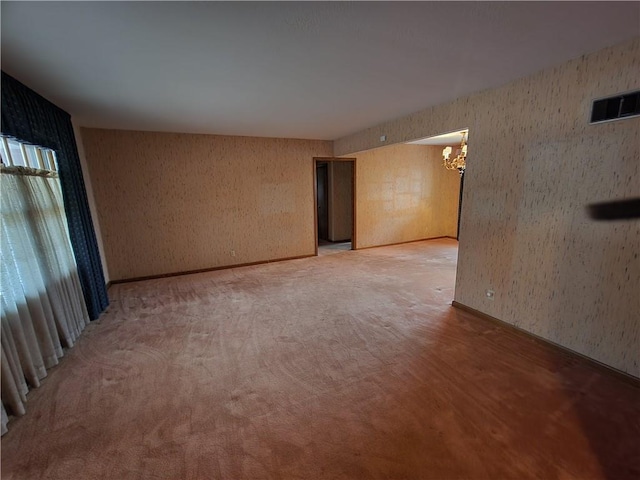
x=534, y=164
x=404, y=194
x=170, y=202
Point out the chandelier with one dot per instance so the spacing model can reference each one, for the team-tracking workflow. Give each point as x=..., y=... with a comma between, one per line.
x=459, y=161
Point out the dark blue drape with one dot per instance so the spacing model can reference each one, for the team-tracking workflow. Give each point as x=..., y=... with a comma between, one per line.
x=31, y=118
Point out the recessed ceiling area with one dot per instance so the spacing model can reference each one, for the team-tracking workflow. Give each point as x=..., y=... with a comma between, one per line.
x=453, y=138
x=316, y=70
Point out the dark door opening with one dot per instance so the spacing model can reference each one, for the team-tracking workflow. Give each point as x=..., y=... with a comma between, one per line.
x=334, y=184
x=322, y=184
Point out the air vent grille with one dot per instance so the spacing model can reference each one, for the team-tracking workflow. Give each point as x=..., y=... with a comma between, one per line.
x=615, y=108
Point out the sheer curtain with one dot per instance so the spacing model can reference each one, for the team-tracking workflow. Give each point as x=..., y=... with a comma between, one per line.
x=42, y=307
x=33, y=119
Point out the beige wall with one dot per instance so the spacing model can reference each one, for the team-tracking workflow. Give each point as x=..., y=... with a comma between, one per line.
x=534, y=164
x=340, y=200
x=91, y=199
x=404, y=194
x=176, y=202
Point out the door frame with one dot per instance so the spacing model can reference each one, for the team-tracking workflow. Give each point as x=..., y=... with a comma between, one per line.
x=317, y=160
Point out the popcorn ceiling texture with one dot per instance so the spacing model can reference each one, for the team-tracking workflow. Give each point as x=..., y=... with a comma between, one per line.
x=404, y=194
x=177, y=202
x=534, y=164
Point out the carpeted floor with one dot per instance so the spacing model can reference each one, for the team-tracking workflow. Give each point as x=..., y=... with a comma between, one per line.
x=343, y=366
x=330, y=248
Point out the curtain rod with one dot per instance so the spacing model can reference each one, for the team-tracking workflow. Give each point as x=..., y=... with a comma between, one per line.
x=27, y=171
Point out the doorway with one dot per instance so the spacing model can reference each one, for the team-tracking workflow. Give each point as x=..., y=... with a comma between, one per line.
x=322, y=200
x=452, y=147
x=334, y=198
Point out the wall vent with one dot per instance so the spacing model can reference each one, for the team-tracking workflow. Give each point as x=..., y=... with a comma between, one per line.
x=621, y=106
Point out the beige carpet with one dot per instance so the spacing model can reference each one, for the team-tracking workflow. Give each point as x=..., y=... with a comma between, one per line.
x=331, y=248
x=344, y=366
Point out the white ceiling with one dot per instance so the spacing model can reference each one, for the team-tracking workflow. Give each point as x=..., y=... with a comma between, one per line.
x=453, y=138
x=292, y=69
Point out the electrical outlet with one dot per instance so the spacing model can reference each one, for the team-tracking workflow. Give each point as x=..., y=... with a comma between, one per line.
x=490, y=294
x=233, y=253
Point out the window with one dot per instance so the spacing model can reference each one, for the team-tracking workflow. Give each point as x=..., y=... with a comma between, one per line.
x=43, y=309
x=15, y=153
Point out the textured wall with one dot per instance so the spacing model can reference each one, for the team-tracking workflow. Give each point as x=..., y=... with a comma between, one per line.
x=91, y=199
x=534, y=164
x=404, y=194
x=176, y=202
x=340, y=200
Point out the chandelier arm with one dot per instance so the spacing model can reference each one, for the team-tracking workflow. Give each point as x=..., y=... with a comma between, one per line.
x=459, y=162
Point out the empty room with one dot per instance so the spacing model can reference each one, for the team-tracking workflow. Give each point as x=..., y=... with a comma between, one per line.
x=320, y=240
